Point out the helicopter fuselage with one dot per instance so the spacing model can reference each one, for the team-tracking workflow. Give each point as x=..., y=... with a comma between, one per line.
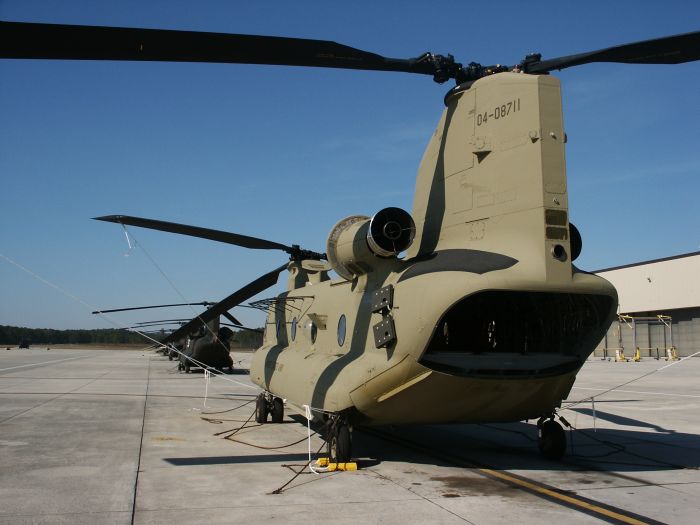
x=484, y=318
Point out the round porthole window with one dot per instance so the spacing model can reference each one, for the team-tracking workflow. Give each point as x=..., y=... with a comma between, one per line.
x=293, y=329
x=280, y=327
x=341, y=330
x=310, y=330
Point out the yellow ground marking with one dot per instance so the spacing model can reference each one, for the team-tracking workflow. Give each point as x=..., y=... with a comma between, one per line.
x=563, y=497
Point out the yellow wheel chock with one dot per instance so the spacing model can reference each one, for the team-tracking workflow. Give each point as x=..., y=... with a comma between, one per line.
x=332, y=467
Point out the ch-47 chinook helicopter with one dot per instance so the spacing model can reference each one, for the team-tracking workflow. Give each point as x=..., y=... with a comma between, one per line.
x=467, y=310
x=205, y=345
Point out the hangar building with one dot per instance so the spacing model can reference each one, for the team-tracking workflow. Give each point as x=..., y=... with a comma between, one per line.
x=659, y=307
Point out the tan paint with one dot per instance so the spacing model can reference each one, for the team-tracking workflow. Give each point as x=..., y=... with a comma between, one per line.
x=492, y=169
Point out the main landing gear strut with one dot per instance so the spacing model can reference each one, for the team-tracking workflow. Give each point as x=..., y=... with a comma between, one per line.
x=338, y=430
x=267, y=404
x=551, y=438
x=339, y=439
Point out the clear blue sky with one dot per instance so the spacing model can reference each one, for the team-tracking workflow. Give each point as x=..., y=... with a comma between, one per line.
x=283, y=153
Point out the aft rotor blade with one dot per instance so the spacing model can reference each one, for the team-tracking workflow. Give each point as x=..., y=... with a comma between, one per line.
x=250, y=290
x=76, y=42
x=155, y=332
x=257, y=330
x=675, y=49
x=195, y=231
x=232, y=319
x=139, y=326
x=162, y=321
x=202, y=303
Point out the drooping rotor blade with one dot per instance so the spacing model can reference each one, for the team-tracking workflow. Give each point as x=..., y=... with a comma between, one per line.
x=232, y=319
x=236, y=298
x=139, y=326
x=162, y=321
x=201, y=303
x=75, y=42
x=257, y=330
x=150, y=332
x=675, y=49
x=237, y=239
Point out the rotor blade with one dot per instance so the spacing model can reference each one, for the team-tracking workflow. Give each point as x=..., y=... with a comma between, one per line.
x=232, y=319
x=156, y=332
x=75, y=42
x=202, y=303
x=195, y=231
x=236, y=298
x=150, y=325
x=258, y=330
x=146, y=323
x=675, y=49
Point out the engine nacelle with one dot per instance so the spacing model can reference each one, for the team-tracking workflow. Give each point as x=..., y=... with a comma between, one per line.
x=357, y=243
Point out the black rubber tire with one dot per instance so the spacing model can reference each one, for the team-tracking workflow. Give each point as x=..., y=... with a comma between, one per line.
x=261, y=409
x=277, y=411
x=170, y=358
x=552, y=440
x=340, y=444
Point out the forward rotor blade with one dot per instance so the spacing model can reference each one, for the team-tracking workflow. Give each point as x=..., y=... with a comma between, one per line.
x=75, y=42
x=250, y=290
x=194, y=231
x=675, y=49
x=202, y=303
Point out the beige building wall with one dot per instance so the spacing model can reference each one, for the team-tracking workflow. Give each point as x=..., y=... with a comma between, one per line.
x=669, y=286
x=657, y=285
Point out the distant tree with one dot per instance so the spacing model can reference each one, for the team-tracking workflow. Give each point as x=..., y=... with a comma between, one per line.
x=247, y=339
x=11, y=335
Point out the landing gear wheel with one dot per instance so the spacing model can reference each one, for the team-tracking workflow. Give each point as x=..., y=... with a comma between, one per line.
x=551, y=439
x=261, y=409
x=277, y=410
x=170, y=358
x=187, y=368
x=179, y=367
x=340, y=443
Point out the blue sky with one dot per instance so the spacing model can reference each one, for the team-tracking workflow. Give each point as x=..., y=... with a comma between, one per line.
x=283, y=153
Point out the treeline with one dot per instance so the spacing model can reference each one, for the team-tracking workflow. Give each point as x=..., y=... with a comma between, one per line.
x=246, y=339
x=13, y=335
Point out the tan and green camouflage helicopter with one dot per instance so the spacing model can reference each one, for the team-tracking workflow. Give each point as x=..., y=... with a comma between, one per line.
x=467, y=310
x=206, y=348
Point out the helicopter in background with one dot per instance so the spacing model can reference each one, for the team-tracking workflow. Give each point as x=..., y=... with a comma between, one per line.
x=206, y=346
x=469, y=309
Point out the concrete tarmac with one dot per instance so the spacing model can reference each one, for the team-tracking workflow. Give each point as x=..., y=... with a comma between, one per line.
x=109, y=436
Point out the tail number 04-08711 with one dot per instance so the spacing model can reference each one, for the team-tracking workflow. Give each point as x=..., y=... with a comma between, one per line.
x=499, y=112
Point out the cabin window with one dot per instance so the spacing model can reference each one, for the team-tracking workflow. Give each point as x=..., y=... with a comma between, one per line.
x=293, y=329
x=341, y=330
x=311, y=330
x=280, y=328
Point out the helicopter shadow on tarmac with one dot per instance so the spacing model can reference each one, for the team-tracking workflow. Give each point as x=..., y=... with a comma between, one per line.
x=236, y=371
x=236, y=460
x=509, y=446
x=514, y=446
